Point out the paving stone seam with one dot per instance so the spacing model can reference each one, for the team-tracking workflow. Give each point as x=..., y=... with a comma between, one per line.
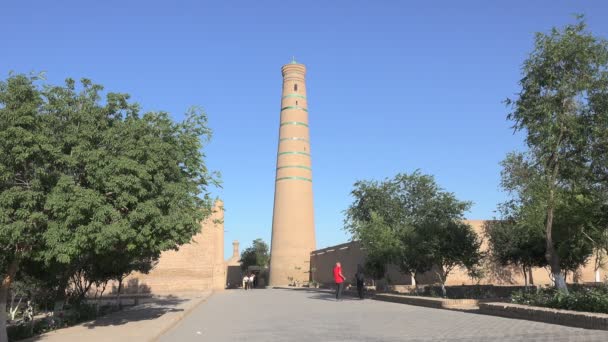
x=181, y=316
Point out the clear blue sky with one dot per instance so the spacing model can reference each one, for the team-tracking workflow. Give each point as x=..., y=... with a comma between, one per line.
x=392, y=85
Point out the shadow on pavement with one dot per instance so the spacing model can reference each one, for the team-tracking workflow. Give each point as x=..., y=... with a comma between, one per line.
x=332, y=297
x=157, y=307
x=154, y=308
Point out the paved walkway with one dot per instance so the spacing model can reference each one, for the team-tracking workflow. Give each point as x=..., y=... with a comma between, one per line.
x=144, y=322
x=288, y=315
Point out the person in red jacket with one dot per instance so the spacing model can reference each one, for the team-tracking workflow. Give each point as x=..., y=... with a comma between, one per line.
x=339, y=279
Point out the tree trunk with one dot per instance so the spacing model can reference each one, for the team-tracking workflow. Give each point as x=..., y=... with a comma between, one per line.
x=530, y=275
x=118, y=294
x=551, y=255
x=414, y=282
x=103, y=289
x=442, y=279
x=13, y=309
x=525, y=278
x=3, y=294
x=6, y=283
x=60, y=295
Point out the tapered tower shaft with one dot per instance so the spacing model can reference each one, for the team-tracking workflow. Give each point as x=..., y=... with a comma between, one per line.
x=293, y=229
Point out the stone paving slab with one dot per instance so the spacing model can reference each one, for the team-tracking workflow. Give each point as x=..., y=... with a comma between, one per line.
x=309, y=315
x=145, y=322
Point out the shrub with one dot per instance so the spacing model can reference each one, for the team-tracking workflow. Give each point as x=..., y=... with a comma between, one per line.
x=71, y=316
x=589, y=299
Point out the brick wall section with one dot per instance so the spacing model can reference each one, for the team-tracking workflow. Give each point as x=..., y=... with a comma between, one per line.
x=350, y=254
x=564, y=317
x=197, y=266
x=234, y=275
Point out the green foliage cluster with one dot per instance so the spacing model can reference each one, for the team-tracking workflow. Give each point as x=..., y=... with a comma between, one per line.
x=513, y=243
x=588, y=299
x=559, y=185
x=255, y=255
x=411, y=222
x=90, y=188
x=375, y=266
x=81, y=313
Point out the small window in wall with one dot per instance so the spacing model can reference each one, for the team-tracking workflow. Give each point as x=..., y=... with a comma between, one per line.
x=295, y=87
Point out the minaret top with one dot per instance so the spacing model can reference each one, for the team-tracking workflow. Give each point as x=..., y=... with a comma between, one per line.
x=293, y=67
x=235, y=249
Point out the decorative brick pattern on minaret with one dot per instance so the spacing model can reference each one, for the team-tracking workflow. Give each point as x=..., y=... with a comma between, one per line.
x=293, y=230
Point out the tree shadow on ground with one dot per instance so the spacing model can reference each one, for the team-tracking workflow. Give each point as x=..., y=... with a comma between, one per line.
x=309, y=290
x=331, y=297
x=153, y=309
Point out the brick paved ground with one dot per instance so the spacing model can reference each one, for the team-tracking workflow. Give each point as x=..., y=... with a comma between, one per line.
x=287, y=315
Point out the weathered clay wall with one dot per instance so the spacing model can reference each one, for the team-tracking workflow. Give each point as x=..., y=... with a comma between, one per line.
x=196, y=266
x=351, y=254
x=234, y=274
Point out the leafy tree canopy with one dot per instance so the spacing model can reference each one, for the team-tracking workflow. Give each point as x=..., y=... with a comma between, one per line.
x=94, y=185
x=563, y=112
x=255, y=255
x=410, y=221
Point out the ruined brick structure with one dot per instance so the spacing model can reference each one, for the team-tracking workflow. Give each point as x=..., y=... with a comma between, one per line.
x=350, y=254
x=196, y=266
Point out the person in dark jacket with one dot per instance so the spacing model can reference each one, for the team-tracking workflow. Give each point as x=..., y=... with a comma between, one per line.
x=360, y=278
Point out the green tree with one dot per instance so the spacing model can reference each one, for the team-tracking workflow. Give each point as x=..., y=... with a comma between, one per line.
x=517, y=238
x=597, y=124
x=412, y=222
x=563, y=89
x=24, y=142
x=255, y=255
x=440, y=247
x=520, y=236
x=94, y=186
x=515, y=244
x=374, y=268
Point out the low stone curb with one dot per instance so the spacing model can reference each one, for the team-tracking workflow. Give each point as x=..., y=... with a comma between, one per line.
x=431, y=302
x=587, y=320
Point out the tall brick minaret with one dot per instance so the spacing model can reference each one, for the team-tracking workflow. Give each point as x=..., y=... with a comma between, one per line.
x=293, y=228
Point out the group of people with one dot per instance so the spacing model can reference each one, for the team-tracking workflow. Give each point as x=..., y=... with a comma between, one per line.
x=339, y=278
x=249, y=281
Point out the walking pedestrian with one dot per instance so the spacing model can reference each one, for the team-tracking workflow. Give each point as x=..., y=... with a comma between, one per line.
x=339, y=279
x=245, y=281
x=252, y=281
x=360, y=278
